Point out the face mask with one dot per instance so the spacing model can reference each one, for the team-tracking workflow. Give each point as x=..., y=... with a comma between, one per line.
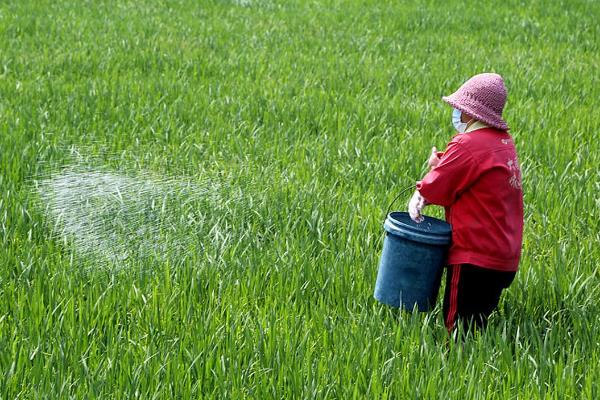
x=461, y=127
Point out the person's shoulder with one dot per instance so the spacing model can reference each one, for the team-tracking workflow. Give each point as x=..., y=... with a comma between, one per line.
x=478, y=141
x=489, y=132
x=486, y=136
x=460, y=145
x=487, y=141
x=461, y=140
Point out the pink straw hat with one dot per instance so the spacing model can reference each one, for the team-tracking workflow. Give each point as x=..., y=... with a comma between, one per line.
x=481, y=97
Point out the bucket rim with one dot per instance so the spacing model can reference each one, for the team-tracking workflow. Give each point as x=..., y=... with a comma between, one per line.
x=399, y=228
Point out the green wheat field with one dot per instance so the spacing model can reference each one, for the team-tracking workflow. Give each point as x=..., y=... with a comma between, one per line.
x=192, y=196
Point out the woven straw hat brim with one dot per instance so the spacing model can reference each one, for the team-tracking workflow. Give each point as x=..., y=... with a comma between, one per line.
x=477, y=110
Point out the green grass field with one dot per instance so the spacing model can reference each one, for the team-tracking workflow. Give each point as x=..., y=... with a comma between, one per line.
x=318, y=113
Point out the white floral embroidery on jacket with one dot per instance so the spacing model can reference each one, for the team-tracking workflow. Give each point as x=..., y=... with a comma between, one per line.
x=515, y=180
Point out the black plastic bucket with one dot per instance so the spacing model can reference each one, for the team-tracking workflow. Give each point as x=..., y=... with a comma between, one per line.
x=412, y=261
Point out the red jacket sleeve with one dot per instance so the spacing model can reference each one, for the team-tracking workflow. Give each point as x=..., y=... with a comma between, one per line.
x=455, y=173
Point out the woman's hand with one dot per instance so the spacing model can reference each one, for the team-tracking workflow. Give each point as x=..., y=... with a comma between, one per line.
x=434, y=158
x=415, y=206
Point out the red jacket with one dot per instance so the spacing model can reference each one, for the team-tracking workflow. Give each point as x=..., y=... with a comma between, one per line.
x=478, y=181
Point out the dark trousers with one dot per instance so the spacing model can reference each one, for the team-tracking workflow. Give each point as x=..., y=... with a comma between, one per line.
x=472, y=293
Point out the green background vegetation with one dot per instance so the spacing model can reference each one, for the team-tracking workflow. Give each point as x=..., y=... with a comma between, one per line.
x=331, y=107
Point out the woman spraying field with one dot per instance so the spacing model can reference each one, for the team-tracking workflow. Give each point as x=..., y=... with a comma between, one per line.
x=478, y=181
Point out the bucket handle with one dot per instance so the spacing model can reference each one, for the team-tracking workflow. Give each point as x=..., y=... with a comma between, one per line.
x=403, y=191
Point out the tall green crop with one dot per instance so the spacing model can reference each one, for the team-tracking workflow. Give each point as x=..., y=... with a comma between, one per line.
x=328, y=109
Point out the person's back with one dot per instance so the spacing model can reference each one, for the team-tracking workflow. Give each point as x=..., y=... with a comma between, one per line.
x=484, y=201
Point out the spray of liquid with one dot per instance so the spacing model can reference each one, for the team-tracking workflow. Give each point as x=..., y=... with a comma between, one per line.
x=115, y=219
